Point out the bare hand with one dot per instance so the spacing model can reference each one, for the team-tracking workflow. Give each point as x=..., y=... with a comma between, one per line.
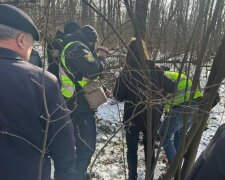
x=108, y=93
x=102, y=51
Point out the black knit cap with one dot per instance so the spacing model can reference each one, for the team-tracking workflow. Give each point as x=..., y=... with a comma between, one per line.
x=90, y=33
x=59, y=34
x=71, y=27
x=13, y=17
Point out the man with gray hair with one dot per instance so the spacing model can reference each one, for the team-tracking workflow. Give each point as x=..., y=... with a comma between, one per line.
x=29, y=100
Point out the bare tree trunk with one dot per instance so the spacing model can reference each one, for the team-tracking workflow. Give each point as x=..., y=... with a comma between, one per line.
x=179, y=156
x=216, y=77
x=192, y=150
x=154, y=22
x=141, y=15
x=84, y=14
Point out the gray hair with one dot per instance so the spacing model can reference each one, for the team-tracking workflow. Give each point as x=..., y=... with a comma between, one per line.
x=7, y=32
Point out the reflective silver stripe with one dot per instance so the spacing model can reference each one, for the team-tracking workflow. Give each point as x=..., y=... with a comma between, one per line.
x=65, y=85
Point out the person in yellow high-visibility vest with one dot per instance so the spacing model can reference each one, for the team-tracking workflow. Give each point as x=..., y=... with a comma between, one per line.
x=173, y=125
x=78, y=67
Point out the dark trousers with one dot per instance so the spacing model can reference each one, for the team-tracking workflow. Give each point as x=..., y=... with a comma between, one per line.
x=85, y=136
x=132, y=137
x=132, y=147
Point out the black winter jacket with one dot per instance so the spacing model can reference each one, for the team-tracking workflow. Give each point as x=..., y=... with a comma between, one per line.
x=130, y=87
x=35, y=59
x=22, y=122
x=82, y=64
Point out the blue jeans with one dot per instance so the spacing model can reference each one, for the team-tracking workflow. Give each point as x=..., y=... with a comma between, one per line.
x=173, y=137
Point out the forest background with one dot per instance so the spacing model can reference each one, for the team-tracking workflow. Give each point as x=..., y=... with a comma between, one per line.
x=187, y=35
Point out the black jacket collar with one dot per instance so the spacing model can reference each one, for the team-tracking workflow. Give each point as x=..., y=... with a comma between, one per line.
x=8, y=54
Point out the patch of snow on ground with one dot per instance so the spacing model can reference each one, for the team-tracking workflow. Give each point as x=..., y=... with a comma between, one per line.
x=110, y=163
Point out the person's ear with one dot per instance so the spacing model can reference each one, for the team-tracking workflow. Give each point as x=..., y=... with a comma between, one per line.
x=20, y=40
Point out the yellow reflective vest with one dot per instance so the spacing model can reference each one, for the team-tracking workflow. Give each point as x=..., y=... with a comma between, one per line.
x=66, y=77
x=183, y=91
